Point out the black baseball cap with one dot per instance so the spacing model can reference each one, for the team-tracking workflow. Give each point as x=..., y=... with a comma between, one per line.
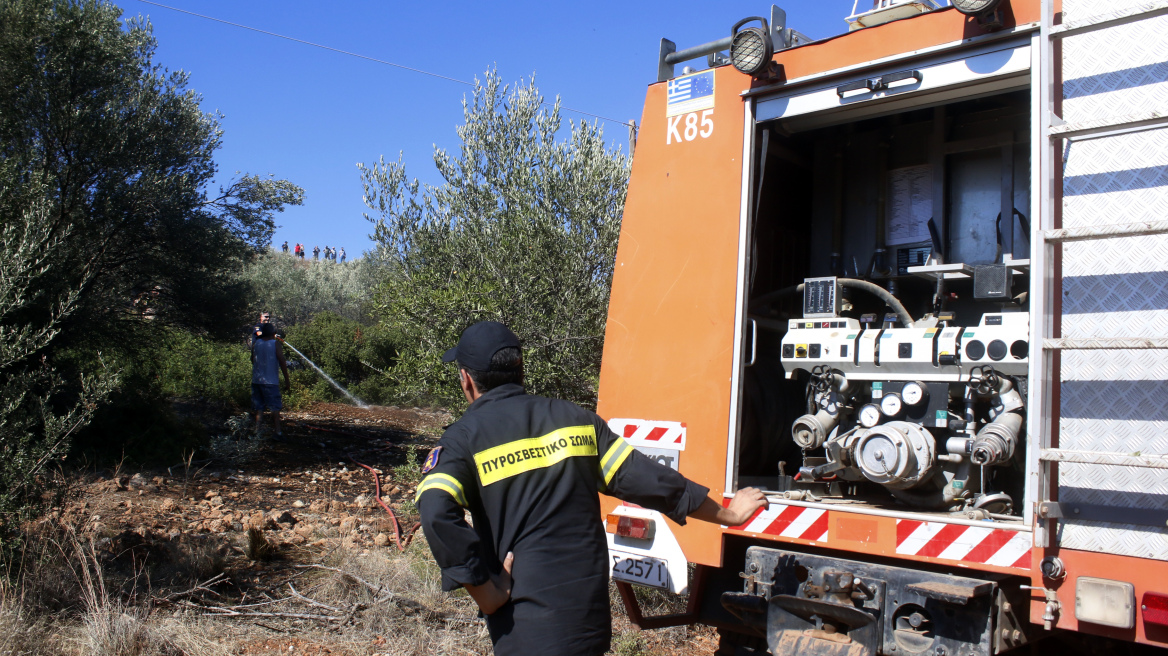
x=479, y=343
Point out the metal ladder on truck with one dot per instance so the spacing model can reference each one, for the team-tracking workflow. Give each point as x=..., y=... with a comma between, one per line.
x=1100, y=272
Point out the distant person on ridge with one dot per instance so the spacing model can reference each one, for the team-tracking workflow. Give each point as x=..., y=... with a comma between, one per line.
x=342, y=254
x=285, y=247
x=316, y=252
x=266, y=355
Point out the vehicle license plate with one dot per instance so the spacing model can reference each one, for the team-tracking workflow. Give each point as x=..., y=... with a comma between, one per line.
x=639, y=569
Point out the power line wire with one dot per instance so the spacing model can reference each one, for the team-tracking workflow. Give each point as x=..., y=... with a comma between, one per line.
x=360, y=56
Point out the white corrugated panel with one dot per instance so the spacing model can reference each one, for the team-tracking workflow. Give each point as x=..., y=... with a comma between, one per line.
x=1115, y=401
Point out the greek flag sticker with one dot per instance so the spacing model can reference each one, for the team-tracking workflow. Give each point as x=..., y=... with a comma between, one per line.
x=690, y=93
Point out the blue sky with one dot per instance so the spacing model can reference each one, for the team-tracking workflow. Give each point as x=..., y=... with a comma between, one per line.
x=309, y=115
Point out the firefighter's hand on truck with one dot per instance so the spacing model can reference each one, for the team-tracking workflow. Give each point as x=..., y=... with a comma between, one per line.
x=742, y=507
x=492, y=595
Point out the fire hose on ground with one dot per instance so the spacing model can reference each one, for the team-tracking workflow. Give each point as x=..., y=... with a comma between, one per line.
x=397, y=532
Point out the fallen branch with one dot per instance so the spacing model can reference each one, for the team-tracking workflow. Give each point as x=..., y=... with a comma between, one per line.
x=270, y=628
x=380, y=593
x=310, y=600
x=170, y=598
x=227, y=612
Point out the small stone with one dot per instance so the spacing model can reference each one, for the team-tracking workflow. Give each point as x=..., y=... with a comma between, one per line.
x=216, y=501
x=363, y=501
x=211, y=494
x=297, y=504
x=381, y=540
x=159, y=481
x=282, y=517
x=168, y=505
x=304, y=529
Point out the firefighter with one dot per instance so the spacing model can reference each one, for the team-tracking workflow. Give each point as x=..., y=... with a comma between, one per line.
x=528, y=468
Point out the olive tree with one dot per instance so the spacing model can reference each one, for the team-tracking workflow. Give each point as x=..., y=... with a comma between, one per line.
x=523, y=230
x=108, y=227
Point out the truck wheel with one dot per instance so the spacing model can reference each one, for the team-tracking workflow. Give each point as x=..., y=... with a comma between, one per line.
x=731, y=643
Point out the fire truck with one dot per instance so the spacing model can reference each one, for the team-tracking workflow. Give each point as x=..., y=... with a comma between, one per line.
x=911, y=281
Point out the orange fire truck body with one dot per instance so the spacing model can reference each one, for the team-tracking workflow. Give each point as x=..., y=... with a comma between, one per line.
x=730, y=200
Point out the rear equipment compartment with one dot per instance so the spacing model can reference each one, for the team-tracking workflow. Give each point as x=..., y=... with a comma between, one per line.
x=886, y=305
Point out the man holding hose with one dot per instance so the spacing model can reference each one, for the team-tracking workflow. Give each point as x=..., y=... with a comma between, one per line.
x=528, y=468
x=266, y=354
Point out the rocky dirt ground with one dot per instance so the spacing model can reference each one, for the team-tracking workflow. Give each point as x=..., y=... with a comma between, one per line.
x=284, y=547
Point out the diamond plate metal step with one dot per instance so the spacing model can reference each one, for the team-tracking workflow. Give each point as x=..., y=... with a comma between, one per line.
x=1110, y=19
x=1150, y=461
x=1112, y=231
x=1104, y=343
x=1108, y=126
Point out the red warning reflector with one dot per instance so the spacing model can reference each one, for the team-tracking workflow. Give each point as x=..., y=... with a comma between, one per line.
x=638, y=528
x=1154, y=607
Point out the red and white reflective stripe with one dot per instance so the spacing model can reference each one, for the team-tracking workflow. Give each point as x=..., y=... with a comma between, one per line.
x=789, y=522
x=971, y=544
x=642, y=432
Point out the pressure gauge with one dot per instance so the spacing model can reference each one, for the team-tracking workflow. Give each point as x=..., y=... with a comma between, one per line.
x=913, y=393
x=869, y=415
x=890, y=405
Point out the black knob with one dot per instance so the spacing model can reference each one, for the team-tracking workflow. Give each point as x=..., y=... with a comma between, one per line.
x=975, y=350
x=997, y=350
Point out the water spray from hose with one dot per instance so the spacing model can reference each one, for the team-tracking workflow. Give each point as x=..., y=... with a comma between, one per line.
x=356, y=401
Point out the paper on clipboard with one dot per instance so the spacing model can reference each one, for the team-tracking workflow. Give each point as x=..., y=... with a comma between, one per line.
x=911, y=200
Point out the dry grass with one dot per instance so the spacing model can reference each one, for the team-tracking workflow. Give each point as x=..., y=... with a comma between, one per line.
x=403, y=600
x=258, y=546
x=72, y=599
x=21, y=634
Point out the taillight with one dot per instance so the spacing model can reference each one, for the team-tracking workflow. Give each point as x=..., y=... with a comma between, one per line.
x=638, y=528
x=1154, y=608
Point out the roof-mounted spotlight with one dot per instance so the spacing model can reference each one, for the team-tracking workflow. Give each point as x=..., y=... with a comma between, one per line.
x=987, y=12
x=751, y=48
x=976, y=7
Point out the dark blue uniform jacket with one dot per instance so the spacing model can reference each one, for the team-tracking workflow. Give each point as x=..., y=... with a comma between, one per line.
x=528, y=469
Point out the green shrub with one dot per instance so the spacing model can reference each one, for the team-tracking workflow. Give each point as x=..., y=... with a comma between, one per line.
x=353, y=354
x=195, y=367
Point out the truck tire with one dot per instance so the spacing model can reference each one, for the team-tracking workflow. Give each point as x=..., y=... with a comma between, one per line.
x=731, y=643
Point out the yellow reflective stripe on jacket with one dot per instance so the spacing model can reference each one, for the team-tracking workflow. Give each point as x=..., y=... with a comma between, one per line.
x=613, y=459
x=444, y=482
x=514, y=458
